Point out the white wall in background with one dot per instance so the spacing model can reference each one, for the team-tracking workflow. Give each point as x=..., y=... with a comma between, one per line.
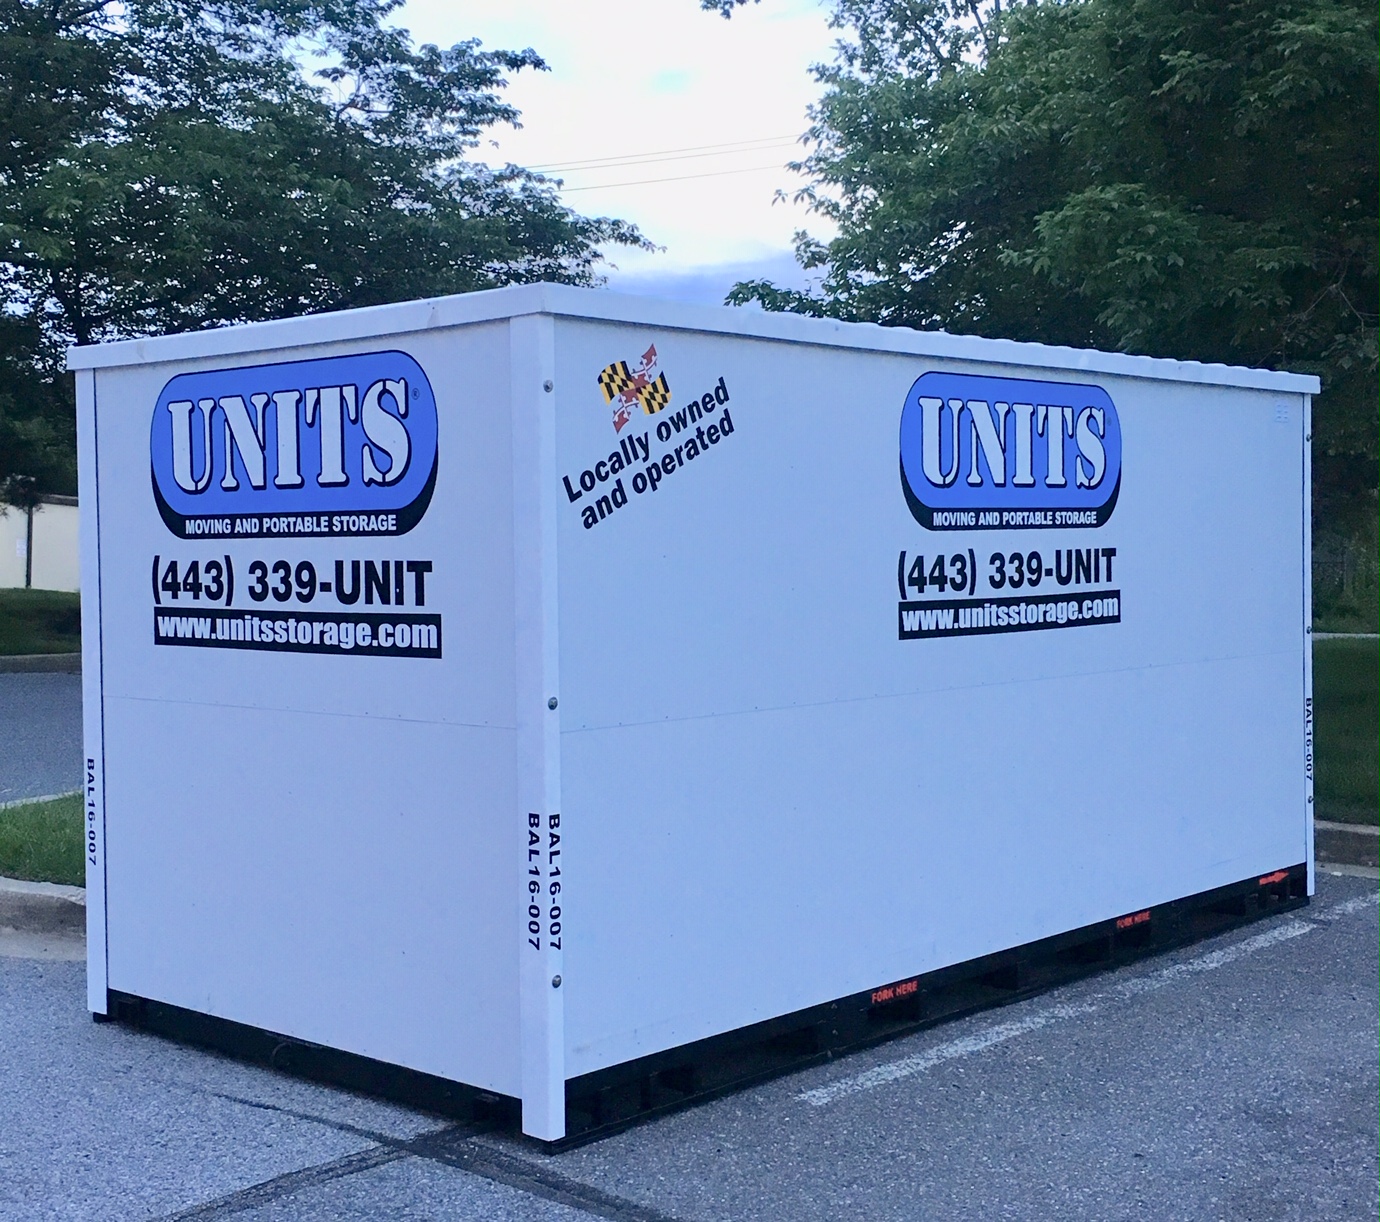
x=55, y=558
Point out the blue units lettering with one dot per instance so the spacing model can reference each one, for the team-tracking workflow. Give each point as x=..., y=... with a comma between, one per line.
x=344, y=445
x=982, y=453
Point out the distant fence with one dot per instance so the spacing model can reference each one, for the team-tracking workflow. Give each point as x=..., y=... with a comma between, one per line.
x=39, y=549
x=1344, y=571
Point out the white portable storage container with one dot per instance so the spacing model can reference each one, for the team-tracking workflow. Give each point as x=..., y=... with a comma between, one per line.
x=514, y=686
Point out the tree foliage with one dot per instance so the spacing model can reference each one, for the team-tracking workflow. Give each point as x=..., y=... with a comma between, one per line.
x=170, y=164
x=1156, y=176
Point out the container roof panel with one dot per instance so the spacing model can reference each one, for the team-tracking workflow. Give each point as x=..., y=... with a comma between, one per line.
x=603, y=305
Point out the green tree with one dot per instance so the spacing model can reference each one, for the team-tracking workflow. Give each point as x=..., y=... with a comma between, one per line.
x=1156, y=176
x=170, y=164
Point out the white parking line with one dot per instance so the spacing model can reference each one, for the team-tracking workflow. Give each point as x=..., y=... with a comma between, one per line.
x=920, y=1062
x=906, y=1067
x=1347, y=907
x=1209, y=962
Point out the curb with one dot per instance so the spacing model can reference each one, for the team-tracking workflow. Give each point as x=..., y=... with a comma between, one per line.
x=42, y=907
x=1355, y=844
x=11, y=803
x=63, y=663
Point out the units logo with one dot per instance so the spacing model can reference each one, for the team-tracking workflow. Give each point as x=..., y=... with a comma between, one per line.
x=982, y=453
x=629, y=389
x=340, y=446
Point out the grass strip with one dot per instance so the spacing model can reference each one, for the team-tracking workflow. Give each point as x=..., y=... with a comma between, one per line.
x=1346, y=694
x=39, y=621
x=42, y=841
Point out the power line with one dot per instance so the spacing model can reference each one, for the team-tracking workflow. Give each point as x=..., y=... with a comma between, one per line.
x=600, y=162
x=613, y=165
x=668, y=154
x=642, y=182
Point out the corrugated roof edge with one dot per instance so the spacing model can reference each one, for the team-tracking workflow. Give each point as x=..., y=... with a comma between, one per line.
x=604, y=306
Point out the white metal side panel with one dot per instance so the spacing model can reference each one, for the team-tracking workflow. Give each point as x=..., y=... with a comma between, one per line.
x=774, y=801
x=320, y=843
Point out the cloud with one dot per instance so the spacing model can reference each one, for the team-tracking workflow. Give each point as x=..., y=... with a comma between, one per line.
x=708, y=284
x=682, y=122
x=677, y=80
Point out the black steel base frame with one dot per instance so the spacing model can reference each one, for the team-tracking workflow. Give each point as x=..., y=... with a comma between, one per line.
x=604, y=1102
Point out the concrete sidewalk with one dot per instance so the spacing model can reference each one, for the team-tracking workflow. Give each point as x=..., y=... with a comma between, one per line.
x=42, y=920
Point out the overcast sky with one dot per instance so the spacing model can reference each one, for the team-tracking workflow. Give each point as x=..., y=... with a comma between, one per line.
x=692, y=117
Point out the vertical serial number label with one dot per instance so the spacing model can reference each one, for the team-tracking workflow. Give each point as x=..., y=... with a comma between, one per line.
x=91, y=812
x=543, y=881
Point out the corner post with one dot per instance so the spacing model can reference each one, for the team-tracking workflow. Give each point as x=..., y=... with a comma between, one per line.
x=92, y=692
x=1309, y=717
x=538, y=832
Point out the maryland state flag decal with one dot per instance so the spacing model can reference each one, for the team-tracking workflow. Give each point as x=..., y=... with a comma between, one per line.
x=628, y=388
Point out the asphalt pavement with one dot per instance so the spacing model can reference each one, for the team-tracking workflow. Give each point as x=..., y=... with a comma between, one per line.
x=1233, y=1079
x=40, y=735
